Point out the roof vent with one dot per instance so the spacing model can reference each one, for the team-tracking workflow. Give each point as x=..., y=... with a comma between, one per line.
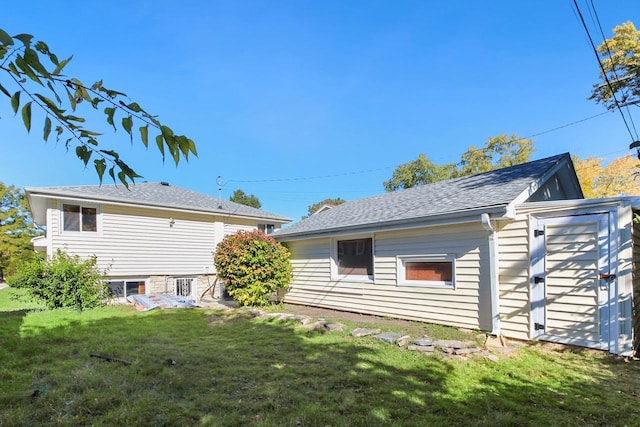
x=165, y=183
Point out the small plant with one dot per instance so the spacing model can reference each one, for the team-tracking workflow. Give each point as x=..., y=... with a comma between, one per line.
x=253, y=266
x=64, y=281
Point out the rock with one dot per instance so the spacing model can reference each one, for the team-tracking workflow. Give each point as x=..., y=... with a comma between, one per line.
x=422, y=348
x=422, y=341
x=403, y=341
x=319, y=325
x=469, y=350
x=390, y=337
x=453, y=344
x=335, y=326
x=363, y=332
x=490, y=357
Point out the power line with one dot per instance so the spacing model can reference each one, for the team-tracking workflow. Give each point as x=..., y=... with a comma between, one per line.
x=604, y=73
x=393, y=167
x=612, y=59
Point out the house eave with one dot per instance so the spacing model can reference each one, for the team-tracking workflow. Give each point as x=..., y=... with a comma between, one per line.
x=149, y=205
x=448, y=218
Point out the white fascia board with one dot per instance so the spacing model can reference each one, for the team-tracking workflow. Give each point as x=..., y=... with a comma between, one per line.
x=552, y=205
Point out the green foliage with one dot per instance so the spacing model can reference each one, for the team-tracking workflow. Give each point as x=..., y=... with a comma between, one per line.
x=63, y=282
x=326, y=202
x=34, y=79
x=16, y=230
x=241, y=197
x=499, y=152
x=620, y=57
x=253, y=266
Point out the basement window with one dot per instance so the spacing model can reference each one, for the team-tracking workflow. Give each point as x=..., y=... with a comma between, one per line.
x=426, y=270
x=125, y=288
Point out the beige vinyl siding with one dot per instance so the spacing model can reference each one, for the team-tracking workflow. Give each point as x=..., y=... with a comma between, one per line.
x=239, y=225
x=140, y=242
x=514, y=267
x=467, y=305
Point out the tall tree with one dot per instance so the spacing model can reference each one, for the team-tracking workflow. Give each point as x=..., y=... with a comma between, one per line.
x=16, y=230
x=326, y=202
x=241, y=197
x=617, y=178
x=620, y=57
x=419, y=172
x=33, y=79
x=498, y=152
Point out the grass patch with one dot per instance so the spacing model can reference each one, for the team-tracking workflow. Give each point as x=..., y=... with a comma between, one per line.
x=199, y=367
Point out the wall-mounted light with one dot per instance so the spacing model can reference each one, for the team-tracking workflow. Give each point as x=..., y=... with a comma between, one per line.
x=171, y=222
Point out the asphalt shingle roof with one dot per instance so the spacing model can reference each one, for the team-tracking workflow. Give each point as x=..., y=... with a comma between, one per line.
x=160, y=195
x=496, y=188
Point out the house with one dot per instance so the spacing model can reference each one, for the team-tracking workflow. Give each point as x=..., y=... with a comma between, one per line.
x=152, y=238
x=517, y=252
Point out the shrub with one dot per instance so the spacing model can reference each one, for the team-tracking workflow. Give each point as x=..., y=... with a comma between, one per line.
x=64, y=281
x=253, y=266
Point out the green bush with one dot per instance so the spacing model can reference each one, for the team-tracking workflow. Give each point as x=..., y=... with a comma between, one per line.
x=253, y=266
x=64, y=281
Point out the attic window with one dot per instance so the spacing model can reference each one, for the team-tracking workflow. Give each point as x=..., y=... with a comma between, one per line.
x=79, y=218
x=267, y=228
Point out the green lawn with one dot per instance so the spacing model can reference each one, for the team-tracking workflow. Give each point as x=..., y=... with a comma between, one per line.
x=200, y=367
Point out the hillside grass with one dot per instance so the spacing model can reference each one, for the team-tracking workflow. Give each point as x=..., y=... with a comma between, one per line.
x=210, y=368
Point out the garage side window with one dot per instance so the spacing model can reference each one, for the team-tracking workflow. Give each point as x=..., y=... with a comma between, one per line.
x=79, y=218
x=430, y=270
x=355, y=258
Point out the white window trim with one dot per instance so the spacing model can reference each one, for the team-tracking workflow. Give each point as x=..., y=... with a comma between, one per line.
x=81, y=205
x=335, y=276
x=402, y=259
x=124, y=282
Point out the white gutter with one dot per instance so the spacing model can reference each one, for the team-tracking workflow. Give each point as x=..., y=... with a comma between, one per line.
x=493, y=274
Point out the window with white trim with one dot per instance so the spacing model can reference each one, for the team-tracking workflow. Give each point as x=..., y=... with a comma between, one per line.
x=184, y=287
x=79, y=218
x=427, y=270
x=267, y=228
x=125, y=288
x=354, y=258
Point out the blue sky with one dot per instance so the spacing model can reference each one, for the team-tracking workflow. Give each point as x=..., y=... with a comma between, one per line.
x=298, y=101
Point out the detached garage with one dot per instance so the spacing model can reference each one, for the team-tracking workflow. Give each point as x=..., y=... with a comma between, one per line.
x=517, y=252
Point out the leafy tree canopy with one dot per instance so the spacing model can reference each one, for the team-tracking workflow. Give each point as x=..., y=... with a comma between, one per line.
x=617, y=178
x=16, y=230
x=241, y=197
x=34, y=79
x=331, y=202
x=620, y=57
x=499, y=151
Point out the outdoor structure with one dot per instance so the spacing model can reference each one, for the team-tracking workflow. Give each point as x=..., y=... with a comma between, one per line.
x=517, y=252
x=152, y=238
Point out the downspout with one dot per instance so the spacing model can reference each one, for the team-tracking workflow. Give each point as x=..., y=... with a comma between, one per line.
x=493, y=274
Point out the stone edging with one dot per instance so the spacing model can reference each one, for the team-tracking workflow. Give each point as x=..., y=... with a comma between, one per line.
x=449, y=348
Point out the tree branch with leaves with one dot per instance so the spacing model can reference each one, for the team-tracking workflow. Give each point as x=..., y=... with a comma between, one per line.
x=33, y=78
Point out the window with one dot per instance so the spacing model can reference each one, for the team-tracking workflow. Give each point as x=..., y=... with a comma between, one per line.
x=79, y=218
x=426, y=270
x=125, y=288
x=184, y=287
x=355, y=258
x=267, y=228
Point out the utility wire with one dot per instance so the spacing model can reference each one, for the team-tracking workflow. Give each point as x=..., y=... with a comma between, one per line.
x=604, y=73
x=613, y=64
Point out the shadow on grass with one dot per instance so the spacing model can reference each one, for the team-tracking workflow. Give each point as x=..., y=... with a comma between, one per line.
x=192, y=367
